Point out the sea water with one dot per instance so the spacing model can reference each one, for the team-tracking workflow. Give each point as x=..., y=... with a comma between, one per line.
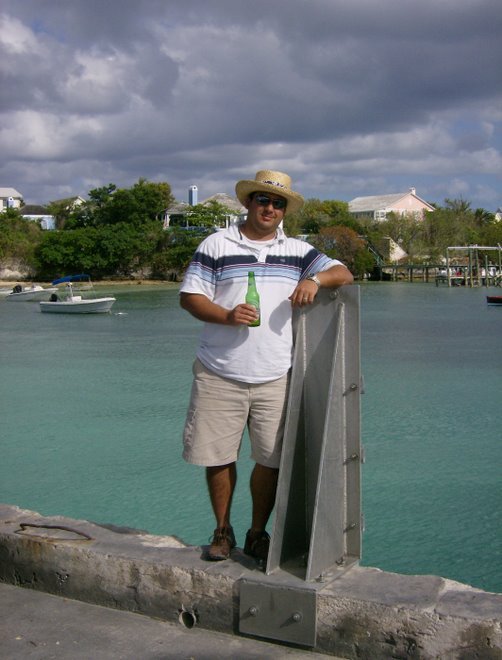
x=93, y=406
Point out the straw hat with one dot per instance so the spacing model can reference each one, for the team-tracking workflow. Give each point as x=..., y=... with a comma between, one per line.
x=271, y=182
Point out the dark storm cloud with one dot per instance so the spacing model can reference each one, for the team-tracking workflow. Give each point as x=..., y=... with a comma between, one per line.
x=350, y=97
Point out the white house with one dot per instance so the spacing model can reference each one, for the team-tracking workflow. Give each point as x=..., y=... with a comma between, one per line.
x=390, y=250
x=238, y=212
x=39, y=214
x=178, y=214
x=10, y=198
x=70, y=202
x=378, y=207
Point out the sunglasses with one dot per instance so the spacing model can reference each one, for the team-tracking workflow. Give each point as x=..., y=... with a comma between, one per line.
x=264, y=200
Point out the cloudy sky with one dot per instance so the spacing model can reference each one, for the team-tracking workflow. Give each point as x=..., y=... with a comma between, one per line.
x=351, y=97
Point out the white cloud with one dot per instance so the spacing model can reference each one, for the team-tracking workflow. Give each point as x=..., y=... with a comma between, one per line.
x=350, y=98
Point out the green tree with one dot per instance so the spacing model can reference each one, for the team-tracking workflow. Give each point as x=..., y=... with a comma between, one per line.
x=483, y=218
x=61, y=211
x=174, y=251
x=102, y=251
x=210, y=215
x=491, y=234
x=405, y=229
x=99, y=197
x=19, y=237
x=459, y=206
x=88, y=214
x=316, y=214
x=345, y=244
x=337, y=210
x=313, y=216
x=451, y=224
x=143, y=203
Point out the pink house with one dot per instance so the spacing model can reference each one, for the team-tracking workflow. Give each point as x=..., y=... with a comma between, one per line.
x=378, y=206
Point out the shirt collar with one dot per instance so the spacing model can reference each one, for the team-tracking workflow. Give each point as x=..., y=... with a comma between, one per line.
x=234, y=233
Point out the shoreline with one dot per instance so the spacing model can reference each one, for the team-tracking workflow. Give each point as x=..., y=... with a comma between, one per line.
x=139, y=282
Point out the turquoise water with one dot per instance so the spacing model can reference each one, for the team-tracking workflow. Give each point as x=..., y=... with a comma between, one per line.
x=92, y=410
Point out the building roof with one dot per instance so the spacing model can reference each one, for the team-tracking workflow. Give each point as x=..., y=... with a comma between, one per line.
x=229, y=201
x=232, y=203
x=383, y=202
x=34, y=209
x=10, y=192
x=178, y=208
x=70, y=201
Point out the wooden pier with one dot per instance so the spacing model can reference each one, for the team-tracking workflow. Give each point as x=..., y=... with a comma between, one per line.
x=465, y=266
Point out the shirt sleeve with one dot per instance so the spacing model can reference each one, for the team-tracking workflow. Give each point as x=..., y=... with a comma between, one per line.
x=200, y=276
x=315, y=262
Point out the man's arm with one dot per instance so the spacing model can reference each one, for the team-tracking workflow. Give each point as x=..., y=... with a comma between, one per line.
x=335, y=276
x=331, y=278
x=205, y=310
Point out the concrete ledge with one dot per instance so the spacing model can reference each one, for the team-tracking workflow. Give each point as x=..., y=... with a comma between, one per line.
x=365, y=613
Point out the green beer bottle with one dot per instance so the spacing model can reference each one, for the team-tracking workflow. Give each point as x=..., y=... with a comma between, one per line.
x=253, y=298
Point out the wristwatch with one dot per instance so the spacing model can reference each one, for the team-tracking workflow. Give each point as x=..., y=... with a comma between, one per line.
x=315, y=279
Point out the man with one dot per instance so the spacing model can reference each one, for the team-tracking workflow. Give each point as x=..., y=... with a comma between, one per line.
x=241, y=373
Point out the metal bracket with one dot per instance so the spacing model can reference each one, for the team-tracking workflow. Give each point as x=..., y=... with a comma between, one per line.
x=317, y=528
x=278, y=612
x=319, y=491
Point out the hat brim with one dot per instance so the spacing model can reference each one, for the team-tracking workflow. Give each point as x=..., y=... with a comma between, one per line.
x=244, y=188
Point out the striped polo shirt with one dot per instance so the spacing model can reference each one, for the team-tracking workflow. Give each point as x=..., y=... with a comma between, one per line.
x=219, y=270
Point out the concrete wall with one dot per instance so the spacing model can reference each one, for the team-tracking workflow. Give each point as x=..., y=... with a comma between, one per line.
x=365, y=613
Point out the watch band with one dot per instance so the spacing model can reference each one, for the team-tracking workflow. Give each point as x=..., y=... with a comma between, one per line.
x=315, y=279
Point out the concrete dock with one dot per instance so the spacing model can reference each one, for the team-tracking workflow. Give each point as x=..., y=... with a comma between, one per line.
x=36, y=625
x=76, y=589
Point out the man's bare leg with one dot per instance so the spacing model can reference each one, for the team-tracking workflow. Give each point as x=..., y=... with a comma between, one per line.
x=221, y=482
x=263, y=488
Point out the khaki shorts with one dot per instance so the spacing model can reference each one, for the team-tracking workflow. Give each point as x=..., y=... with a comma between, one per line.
x=220, y=409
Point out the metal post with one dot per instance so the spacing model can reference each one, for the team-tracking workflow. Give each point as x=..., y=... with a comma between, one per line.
x=318, y=523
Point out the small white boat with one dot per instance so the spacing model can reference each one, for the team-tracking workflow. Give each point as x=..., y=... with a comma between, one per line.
x=68, y=303
x=29, y=293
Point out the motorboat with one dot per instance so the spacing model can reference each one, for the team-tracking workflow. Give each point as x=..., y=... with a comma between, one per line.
x=67, y=302
x=494, y=300
x=30, y=293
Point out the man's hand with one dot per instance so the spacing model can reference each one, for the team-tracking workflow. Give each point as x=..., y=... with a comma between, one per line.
x=206, y=310
x=304, y=293
x=243, y=314
x=333, y=277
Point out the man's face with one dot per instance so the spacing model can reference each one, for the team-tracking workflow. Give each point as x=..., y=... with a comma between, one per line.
x=265, y=213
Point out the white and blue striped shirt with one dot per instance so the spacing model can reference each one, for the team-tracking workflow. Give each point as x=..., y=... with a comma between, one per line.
x=219, y=270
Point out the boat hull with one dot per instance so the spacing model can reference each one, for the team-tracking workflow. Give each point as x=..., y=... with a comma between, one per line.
x=494, y=300
x=90, y=306
x=29, y=295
